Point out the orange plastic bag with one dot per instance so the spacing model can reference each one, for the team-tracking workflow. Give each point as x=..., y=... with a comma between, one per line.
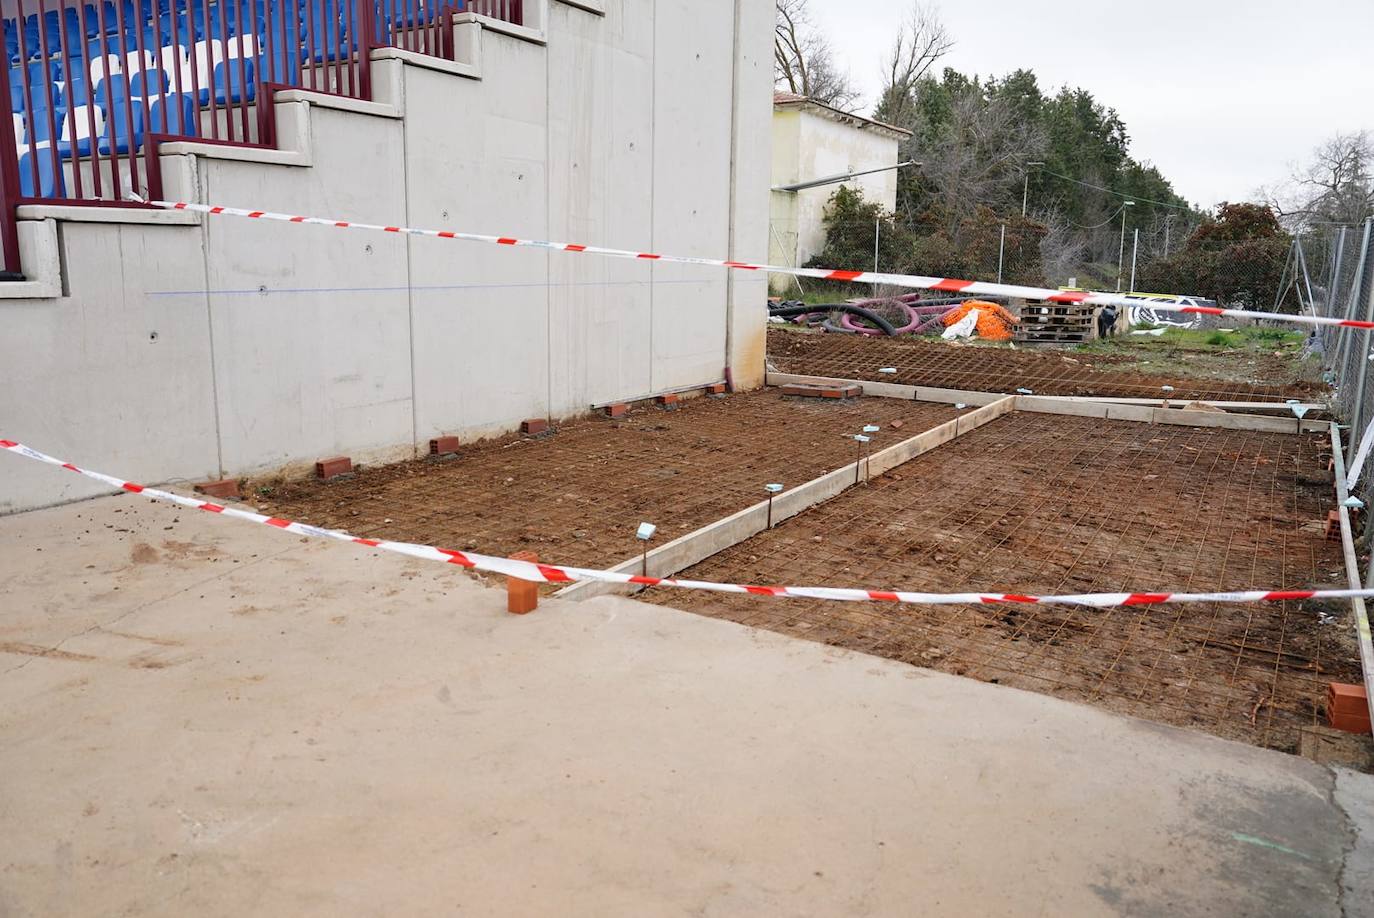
x=994, y=322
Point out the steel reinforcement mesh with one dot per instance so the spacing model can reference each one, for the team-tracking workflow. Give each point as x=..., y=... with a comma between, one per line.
x=1039, y=504
x=576, y=495
x=987, y=369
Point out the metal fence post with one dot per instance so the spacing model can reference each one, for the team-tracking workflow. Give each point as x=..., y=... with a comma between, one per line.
x=1362, y=357
x=1343, y=344
x=1001, y=252
x=9, y=180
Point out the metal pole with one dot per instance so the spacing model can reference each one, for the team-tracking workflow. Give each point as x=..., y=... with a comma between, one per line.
x=1001, y=252
x=1344, y=341
x=1168, y=225
x=1362, y=358
x=1333, y=282
x=1025, y=194
x=1306, y=275
x=1135, y=253
x=877, y=236
x=1121, y=256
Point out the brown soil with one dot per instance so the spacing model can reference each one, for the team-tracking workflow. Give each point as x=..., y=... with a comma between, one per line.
x=1049, y=504
x=576, y=495
x=1045, y=371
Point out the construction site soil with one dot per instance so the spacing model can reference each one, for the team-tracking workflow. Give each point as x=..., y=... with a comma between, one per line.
x=1110, y=369
x=1050, y=504
x=576, y=494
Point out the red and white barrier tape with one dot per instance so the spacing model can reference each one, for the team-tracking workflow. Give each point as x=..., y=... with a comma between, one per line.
x=943, y=284
x=551, y=573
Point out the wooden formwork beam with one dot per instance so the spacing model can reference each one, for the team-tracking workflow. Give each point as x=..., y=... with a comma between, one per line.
x=1108, y=409
x=695, y=547
x=1352, y=569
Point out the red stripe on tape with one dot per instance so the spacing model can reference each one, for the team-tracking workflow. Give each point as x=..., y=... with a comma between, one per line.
x=456, y=557
x=1357, y=323
x=444, y=234
x=69, y=467
x=506, y=241
x=844, y=275
x=648, y=256
x=130, y=486
x=255, y=213
x=645, y=581
x=741, y=265
x=342, y=224
x=1069, y=296
x=280, y=524
x=1009, y=597
x=1204, y=310
x=765, y=591
x=576, y=248
x=180, y=206
x=392, y=229
x=370, y=543
x=297, y=220
x=553, y=574
x=1283, y=595
x=216, y=210
x=213, y=508
x=878, y=596
x=1145, y=599
x=951, y=285
x=8, y=444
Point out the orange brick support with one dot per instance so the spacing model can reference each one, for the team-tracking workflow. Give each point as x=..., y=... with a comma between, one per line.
x=326, y=469
x=617, y=411
x=534, y=426
x=717, y=389
x=1347, y=707
x=442, y=446
x=522, y=596
x=667, y=401
x=1333, y=525
x=225, y=489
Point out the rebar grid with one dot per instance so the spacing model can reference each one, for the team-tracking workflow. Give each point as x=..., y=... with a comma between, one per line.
x=577, y=495
x=1045, y=372
x=1048, y=504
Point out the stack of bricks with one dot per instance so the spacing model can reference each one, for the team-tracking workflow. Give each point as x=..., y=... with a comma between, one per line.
x=1347, y=707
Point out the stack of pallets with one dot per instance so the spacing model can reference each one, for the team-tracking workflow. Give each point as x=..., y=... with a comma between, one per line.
x=1051, y=323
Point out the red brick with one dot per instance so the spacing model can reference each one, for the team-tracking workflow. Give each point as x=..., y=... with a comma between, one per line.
x=717, y=389
x=667, y=401
x=226, y=488
x=522, y=596
x=1350, y=723
x=326, y=469
x=442, y=446
x=1333, y=525
x=1344, y=698
x=534, y=426
x=616, y=411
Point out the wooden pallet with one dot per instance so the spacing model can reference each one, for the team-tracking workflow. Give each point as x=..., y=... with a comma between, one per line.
x=1056, y=323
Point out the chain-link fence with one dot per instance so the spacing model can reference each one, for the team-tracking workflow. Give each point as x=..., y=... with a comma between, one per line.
x=1340, y=270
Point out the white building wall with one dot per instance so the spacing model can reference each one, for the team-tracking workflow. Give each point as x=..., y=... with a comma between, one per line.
x=627, y=123
x=808, y=145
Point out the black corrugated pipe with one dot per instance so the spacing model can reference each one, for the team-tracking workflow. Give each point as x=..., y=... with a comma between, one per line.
x=787, y=312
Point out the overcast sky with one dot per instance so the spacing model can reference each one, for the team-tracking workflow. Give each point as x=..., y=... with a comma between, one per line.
x=1221, y=95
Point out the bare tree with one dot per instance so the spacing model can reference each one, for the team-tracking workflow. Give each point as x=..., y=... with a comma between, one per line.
x=979, y=158
x=803, y=62
x=919, y=45
x=1336, y=186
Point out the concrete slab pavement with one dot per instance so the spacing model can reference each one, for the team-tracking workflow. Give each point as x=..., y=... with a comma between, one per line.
x=204, y=717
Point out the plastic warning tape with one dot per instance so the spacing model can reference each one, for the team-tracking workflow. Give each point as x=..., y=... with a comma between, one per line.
x=552, y=573
x=942, y=284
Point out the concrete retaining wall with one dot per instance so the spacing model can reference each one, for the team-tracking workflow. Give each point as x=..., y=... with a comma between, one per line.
x=162, y=347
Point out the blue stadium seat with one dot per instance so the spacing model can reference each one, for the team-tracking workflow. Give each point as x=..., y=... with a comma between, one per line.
x=174, y=115
x=49, y=167
x=111, y=89
x=147, y=83
x=124, y=127
x=230, y=85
